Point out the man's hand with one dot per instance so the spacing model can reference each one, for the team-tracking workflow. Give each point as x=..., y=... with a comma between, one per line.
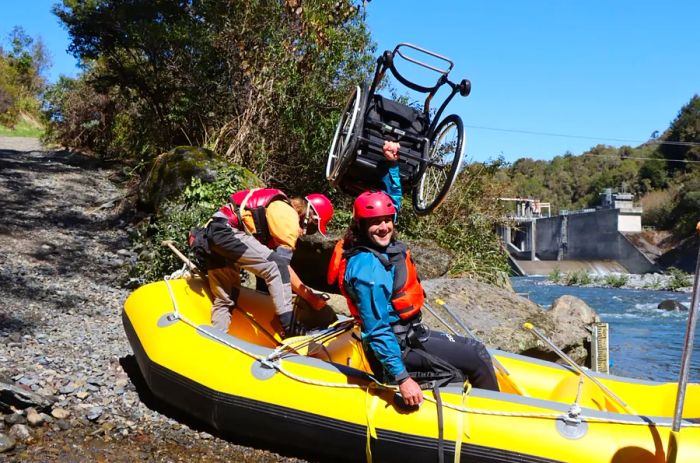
x=411, y=392
x=315, y=301
x=391, y=150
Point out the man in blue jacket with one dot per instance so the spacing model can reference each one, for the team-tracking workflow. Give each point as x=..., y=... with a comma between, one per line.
x=380, y=281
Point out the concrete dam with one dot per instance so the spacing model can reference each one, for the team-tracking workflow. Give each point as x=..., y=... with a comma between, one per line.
x=600, y=240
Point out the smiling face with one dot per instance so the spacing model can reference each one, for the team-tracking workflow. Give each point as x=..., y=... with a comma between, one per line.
x=380, y=230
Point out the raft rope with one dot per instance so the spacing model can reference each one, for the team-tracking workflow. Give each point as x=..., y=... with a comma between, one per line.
x=274, y=361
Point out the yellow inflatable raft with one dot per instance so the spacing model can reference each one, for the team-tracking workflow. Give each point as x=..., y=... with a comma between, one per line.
x=315, y=392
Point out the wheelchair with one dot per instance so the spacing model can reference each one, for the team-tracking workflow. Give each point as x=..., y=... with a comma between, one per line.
x=432, y=149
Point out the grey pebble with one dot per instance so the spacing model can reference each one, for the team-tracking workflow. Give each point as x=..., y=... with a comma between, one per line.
x=6, y=443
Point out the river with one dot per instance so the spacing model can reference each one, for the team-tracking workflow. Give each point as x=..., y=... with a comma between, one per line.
x=645, y=342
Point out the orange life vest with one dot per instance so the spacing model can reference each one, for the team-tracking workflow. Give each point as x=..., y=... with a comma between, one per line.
x=254, y=201
x=407, y=294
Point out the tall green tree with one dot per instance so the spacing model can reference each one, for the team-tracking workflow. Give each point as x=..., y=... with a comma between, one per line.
x=22, y=67
x=259, y=81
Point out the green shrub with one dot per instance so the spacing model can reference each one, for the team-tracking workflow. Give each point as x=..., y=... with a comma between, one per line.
x=616, y=281
x=679, y=279
x=555, y=276
x=465, y=224
x=577, y=278
x=192, y=208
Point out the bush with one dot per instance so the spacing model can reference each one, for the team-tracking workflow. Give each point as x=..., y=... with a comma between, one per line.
x=679, y=279
x=555, y=276
x=616, y=281
x=657, y=206
x=577, y=278
x=465, y=224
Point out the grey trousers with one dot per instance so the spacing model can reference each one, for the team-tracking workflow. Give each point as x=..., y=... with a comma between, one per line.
x=242, y=251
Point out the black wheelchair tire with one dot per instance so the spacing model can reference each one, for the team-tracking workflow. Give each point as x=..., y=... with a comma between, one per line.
x=426, y=195
x=347, y=135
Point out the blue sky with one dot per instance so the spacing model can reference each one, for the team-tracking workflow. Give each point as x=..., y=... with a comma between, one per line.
x=574, y=74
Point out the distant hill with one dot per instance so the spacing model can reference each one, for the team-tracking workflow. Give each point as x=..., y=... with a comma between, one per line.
x=663, y=174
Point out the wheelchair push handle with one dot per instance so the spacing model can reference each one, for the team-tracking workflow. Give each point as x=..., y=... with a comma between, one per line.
x=398, y=51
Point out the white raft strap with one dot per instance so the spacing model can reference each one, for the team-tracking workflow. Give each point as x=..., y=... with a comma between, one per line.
x=643, y=420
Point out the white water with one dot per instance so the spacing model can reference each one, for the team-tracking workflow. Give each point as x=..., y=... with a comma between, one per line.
x=645, y=342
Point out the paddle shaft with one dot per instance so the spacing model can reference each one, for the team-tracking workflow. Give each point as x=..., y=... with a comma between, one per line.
x=576, y=367
x=190, y=264
x=687, y=349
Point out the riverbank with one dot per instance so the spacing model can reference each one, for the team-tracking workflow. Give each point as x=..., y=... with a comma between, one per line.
x=673, y=281
x=78, y=394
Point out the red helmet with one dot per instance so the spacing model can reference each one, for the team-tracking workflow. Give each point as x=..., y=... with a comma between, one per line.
x=323, y=209
x=372, y=204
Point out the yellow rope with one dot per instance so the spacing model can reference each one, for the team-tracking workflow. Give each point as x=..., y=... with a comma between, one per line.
x=371, y=401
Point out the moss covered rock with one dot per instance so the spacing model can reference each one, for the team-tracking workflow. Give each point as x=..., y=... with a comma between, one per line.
x=173, y=171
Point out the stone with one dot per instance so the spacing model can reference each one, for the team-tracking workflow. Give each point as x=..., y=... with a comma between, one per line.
x=173, y=171
x=67, y=389
x=496, y=315
x=15, y=418
x=672, y=306
x=7, y=443
x=20, y=432
x=94, y=413
x=60, y=413
x=15, y=396
x=34, y=418
x=63, y=425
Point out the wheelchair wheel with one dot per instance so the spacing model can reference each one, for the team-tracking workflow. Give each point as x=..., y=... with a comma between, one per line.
x=442, y=166
x=346, y=138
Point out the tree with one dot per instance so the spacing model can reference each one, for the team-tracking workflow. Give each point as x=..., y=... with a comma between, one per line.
x=684, y=131
x=261, y=82
x=22, y=81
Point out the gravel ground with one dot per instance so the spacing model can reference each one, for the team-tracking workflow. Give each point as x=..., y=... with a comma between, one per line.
x=63, y=253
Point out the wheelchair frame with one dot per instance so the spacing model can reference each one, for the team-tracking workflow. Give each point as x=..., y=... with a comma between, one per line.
x=429, y=159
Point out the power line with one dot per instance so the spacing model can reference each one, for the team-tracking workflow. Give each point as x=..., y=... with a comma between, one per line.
x=549, y=134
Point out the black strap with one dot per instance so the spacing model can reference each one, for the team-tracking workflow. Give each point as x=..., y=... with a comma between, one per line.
x=262, y=232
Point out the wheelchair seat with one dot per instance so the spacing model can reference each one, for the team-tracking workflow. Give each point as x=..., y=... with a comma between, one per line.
x=386, y=119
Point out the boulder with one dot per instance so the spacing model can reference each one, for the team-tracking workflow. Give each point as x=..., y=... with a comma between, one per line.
x=672, y=306
x=313, y=254
x=173, y=171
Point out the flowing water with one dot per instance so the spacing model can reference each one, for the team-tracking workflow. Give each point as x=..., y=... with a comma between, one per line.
x=645, y=342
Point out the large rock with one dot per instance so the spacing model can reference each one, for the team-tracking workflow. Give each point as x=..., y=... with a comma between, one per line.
x=497, y=315
x=173, y=171
x=313, y=254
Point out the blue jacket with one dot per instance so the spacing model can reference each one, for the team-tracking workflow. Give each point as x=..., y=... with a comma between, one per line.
x=392, y=183
x=370, y=285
